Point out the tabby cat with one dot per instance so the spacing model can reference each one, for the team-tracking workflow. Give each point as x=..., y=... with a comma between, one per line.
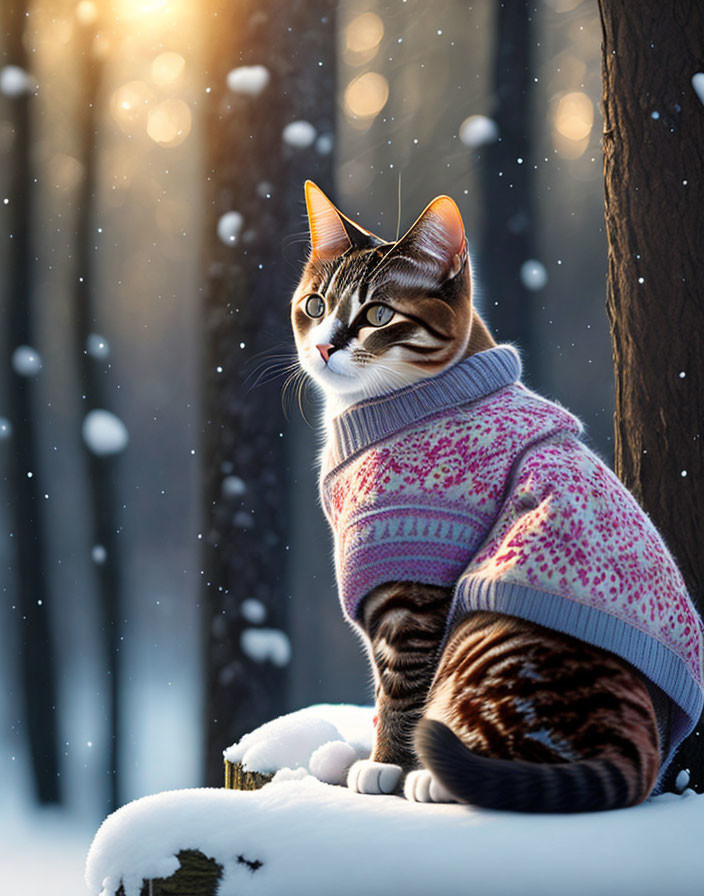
x=497, y=711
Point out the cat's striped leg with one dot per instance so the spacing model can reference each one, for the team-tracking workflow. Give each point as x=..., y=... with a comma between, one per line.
x=523, y=718
x=404, y=623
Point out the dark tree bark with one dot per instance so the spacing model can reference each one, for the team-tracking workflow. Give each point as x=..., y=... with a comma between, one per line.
x=653, y=162
x=253, y=171
x=507, y=197
x=102, y=470
x=38, y=672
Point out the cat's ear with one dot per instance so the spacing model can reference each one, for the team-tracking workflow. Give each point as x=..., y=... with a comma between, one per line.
x=437, y=239
x=331, y=232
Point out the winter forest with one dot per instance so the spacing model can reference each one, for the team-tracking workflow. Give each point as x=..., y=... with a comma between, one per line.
x=166, y=581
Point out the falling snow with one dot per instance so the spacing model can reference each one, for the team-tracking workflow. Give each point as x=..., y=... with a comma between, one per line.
x=26, y=361
x=299, y=134
x=266, y=645
x=253, y=610
x=97, y=347
x=229, y=227
x=233, y=487
x=478, y=130
x=533, y=274
x=248, y=79
x=15, y=81
x=698, y=85
x=104, y=433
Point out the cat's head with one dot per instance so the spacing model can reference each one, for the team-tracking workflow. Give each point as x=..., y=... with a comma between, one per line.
x=371, y=316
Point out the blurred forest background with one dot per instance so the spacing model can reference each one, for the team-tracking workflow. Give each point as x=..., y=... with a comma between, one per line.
x=130, y=211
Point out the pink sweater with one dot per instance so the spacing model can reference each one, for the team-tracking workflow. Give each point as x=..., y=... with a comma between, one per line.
x=469, y=480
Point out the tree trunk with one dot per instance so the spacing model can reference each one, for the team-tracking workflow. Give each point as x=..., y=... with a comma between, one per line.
x=38, y=672
x=509, y=218
x=253, y=171
x=653, y=162
x=102, y=470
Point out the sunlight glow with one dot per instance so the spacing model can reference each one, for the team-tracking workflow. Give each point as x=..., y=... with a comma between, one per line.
x=87, y=12
x=144, y=7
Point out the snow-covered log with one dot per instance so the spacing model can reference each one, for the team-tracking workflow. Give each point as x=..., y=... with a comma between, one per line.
x=298, y=835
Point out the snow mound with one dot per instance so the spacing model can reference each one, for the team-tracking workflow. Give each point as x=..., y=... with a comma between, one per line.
x=313, y=838
x=283, y=743
x=292, y=740
x=331, y=762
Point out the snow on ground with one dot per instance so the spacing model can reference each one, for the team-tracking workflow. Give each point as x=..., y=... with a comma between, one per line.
x=324, y=739
x=42, y=852
x=313, y=837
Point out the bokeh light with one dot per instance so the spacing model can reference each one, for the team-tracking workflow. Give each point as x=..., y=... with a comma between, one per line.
x=362, y=38
x=167, y=68
x=128, y=104
x=169, y=123
x=573, y=123
x=366, y=95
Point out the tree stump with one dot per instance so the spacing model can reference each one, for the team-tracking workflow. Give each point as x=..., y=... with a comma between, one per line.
x=197, y=876
x=236, y=778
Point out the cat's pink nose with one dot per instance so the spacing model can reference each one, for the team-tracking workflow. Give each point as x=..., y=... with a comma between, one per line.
x=325, y=351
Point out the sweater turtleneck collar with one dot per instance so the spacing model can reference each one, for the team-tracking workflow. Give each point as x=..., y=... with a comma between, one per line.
x=376, y=418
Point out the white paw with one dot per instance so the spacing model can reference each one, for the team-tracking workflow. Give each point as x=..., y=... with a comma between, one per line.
x=422, y=787
x=367, y=776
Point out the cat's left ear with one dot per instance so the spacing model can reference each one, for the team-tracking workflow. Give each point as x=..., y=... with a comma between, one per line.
x=437, y=238
x=331, y=232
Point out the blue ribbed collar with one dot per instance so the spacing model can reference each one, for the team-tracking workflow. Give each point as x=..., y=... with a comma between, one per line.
x=376, y=418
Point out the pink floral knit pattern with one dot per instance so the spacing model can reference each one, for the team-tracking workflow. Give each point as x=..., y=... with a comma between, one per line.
x=570, y=528
x=503, y=491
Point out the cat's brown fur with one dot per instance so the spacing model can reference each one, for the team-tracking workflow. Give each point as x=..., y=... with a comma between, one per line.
x=510, y=715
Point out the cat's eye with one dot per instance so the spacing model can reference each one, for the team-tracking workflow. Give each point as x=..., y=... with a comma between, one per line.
x=315, y=306
x=379, y=315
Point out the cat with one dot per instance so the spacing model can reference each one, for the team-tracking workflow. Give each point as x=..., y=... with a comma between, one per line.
x=464, y=510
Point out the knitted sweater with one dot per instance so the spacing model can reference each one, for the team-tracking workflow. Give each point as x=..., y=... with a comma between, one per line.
x=469, y=480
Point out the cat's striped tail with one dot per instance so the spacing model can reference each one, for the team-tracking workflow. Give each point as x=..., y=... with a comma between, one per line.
x=588, y=785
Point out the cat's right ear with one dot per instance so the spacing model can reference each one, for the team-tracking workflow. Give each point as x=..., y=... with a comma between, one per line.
x=331, y=232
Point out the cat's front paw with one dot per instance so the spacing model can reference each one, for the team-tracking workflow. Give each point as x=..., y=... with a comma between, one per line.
x=421, y=787
x=367, y=776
